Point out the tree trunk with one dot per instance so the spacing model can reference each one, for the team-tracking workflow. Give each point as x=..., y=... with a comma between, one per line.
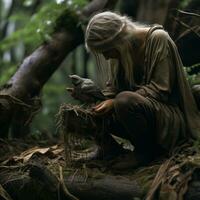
x=153, y=11
x=20, y=94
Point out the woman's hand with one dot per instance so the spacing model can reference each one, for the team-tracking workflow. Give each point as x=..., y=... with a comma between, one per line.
x=104, y=107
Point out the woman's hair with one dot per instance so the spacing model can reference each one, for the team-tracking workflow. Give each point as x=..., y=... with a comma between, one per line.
x=108, y=30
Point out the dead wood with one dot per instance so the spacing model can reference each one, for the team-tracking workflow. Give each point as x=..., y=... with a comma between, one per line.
x=168, y=179
x=105, y=187
x=38, y=182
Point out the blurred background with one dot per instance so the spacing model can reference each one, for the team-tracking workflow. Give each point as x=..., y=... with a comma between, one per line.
x=25, y=24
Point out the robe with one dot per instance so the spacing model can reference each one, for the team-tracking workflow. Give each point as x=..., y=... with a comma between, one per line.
x=164, y=84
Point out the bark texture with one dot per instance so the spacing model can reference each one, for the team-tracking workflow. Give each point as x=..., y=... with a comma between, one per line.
x=19, y=98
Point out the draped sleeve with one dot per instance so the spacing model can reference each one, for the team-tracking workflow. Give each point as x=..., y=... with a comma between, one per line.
x=160, y=73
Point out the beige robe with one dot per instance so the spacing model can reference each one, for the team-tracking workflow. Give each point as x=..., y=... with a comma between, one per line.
x=165, y=85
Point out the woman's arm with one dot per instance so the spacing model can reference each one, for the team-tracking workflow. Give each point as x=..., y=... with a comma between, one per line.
x=161, y=70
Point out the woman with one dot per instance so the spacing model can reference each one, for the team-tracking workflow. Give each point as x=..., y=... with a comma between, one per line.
x=153, y=106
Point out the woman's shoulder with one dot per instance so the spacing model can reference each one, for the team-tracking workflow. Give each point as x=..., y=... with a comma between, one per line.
x=158, y=33
x=157, y=36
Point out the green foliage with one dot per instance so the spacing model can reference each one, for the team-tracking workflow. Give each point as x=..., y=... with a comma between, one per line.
x=28, y=3
x=77, y=4
x=42, y=24
x=19, y=18
x=194, y=78
x=53, y=95
x=184, y=3
x=6, y=71
x=30, y=31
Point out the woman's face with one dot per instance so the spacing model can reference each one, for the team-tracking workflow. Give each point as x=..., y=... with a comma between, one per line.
x=111, y=53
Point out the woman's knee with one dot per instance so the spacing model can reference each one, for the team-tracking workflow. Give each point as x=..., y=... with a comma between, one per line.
x=127, y=99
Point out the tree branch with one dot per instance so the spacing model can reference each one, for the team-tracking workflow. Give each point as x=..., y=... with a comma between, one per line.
x=37, y=68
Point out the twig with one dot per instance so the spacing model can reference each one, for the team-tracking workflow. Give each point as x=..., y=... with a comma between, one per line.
x=4, y=194
x=187, y=13
x=186, y=26
x=73, y=176
x=65, y=190
x=86, y=173
x=185, y=33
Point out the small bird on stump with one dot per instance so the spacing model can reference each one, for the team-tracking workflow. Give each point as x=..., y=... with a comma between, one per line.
x=85, y=90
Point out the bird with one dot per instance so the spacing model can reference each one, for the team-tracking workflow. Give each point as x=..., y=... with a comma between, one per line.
x=85, y=89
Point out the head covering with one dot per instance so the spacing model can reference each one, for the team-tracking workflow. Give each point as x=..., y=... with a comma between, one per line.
x=107, y=31
x=104, y=31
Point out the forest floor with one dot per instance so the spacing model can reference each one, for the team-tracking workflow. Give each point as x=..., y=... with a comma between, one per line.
x=29, y=168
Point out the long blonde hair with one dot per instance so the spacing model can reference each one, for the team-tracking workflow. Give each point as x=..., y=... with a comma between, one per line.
x=108, y=30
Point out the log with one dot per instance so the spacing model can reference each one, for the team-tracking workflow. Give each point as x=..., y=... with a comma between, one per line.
x=41, y=183
x=106, y=187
